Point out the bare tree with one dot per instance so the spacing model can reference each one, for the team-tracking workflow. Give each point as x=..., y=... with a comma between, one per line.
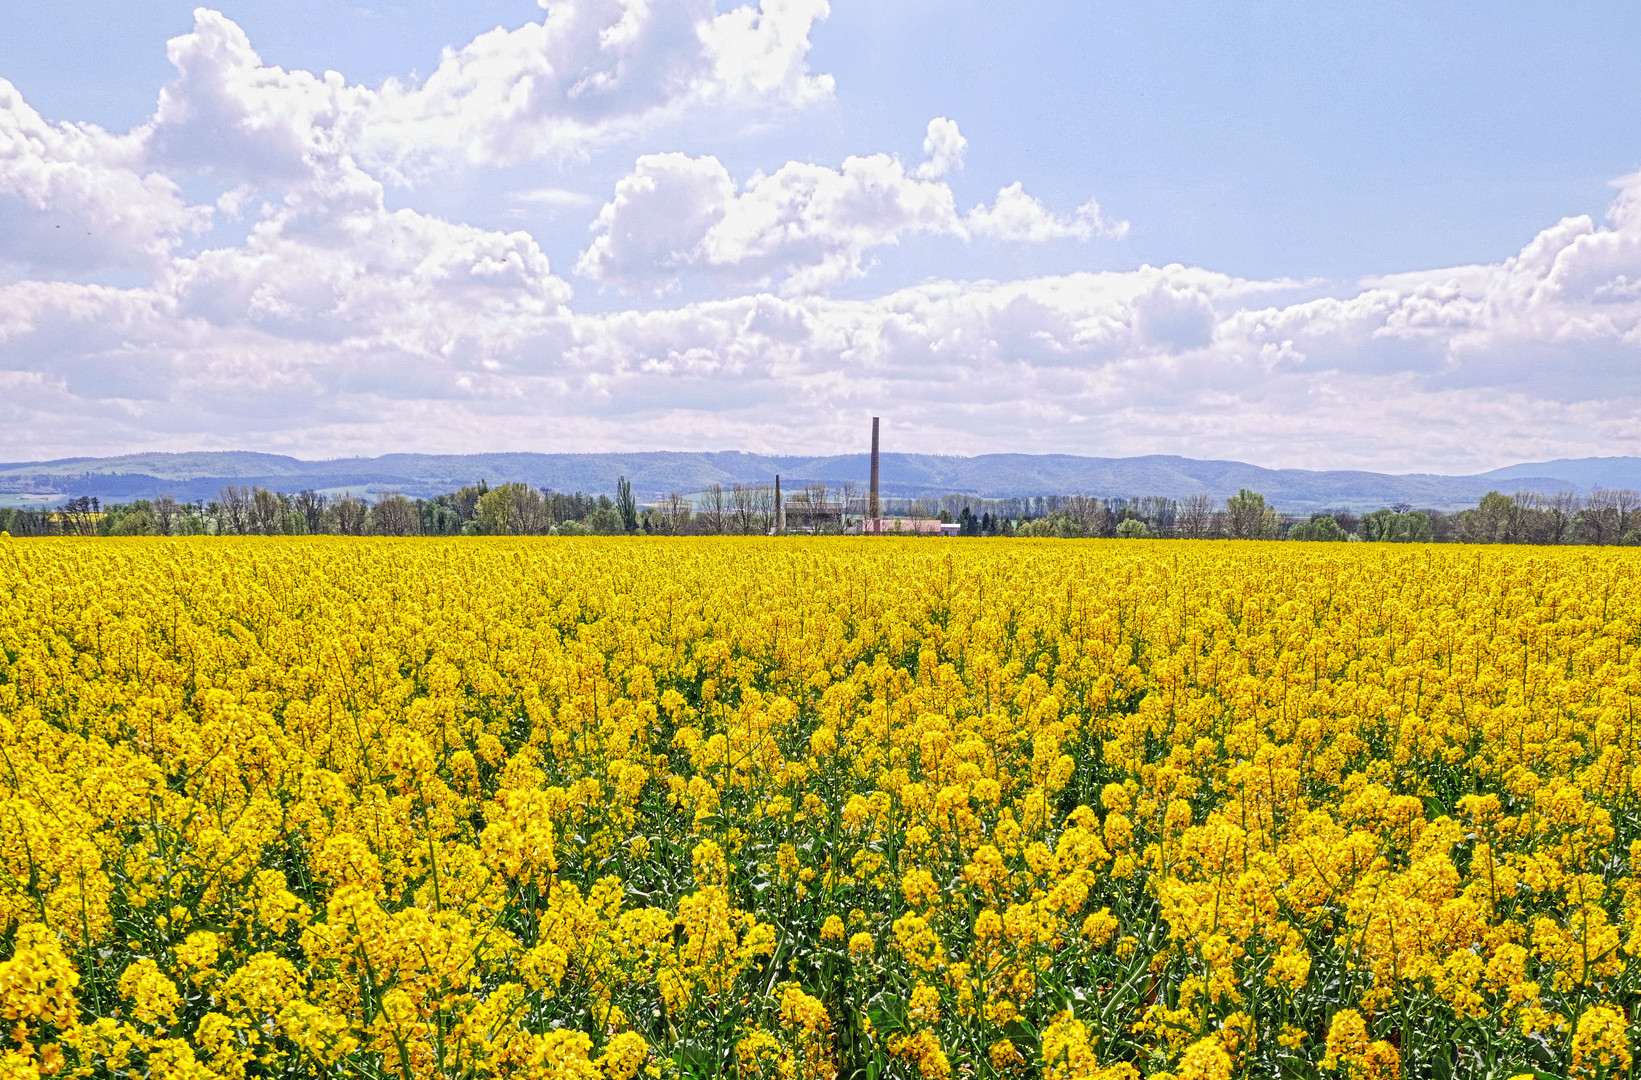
x=1157, y=511
x=311, y=505
x=1626, y=504
x=1196, y=516
x=395, y=515
x=166, y=512
x=1093, y=515
x=266, y=512
x=1346, y=520
x=764, y=508
x=828, y=509
x=234, y=510
x=712, y=507
x=32, y=521
x=1594, y=523
x=674, y=515
x=79, y=516
x=1528, y=518
x=350, y=515
x=1559, y=510
x=741, y=504
x=854, y=499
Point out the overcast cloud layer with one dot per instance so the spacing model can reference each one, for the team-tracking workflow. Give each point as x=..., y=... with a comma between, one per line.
x=247, y=270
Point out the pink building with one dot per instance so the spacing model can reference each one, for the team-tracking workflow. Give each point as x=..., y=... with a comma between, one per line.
x=907, y=527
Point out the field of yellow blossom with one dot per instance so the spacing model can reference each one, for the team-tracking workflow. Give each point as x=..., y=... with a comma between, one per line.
x=848, y=808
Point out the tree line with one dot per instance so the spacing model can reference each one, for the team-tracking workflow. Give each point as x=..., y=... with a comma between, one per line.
x=1604, y=516
x=476, y=510
x=1608, y=516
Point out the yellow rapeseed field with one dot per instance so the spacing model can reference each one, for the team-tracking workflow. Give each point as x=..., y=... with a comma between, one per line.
x=844, y=808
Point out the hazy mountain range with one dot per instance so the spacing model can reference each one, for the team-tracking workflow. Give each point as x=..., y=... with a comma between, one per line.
x=201, y=475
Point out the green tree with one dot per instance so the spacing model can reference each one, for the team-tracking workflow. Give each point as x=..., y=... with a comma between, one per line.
x=1391, y=527
x=605, y=518
x=511, y=510
x=1057, y=524
x=1323, y=527
x=132, y=519
x=626, y=505
x=1495, y=520
x=1247, y=517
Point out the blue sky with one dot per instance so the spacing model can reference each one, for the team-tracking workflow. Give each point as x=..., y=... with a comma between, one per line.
x=1389, y=236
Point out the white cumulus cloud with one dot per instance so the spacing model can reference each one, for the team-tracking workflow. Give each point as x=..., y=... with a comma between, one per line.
x=943, y=146
x=229, y=114
x=74, y=197
x=590, y=72
x=1018, y=216
x=806, y=226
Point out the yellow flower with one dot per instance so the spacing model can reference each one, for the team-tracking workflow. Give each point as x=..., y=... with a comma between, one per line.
x=1205, y=1059
x=1004, y=1057
x=624, y=1056
x=923, y=1009
x=800, y=1010
x=1601, y=1045
x=37, y=983
x=198, y=953
x=1099, y=928
x=919, y=888
x=562, y=1055
x=918, y=943
x=1350, y=1052
x=152, y=996
x=924, y=1050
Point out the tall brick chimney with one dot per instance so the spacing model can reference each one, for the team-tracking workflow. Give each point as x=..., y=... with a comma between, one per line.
x=873, y=513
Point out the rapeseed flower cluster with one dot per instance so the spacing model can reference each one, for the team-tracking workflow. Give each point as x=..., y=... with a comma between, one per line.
x=813, y=810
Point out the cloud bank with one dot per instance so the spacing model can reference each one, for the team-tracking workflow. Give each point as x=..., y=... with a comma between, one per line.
x=295, y=310
x=807, y=226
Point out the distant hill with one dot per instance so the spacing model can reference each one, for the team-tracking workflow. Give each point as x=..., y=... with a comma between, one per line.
x=202, y=475
x=1583, y=473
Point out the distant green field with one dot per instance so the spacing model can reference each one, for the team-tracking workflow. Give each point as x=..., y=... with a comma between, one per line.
x=18, y=502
